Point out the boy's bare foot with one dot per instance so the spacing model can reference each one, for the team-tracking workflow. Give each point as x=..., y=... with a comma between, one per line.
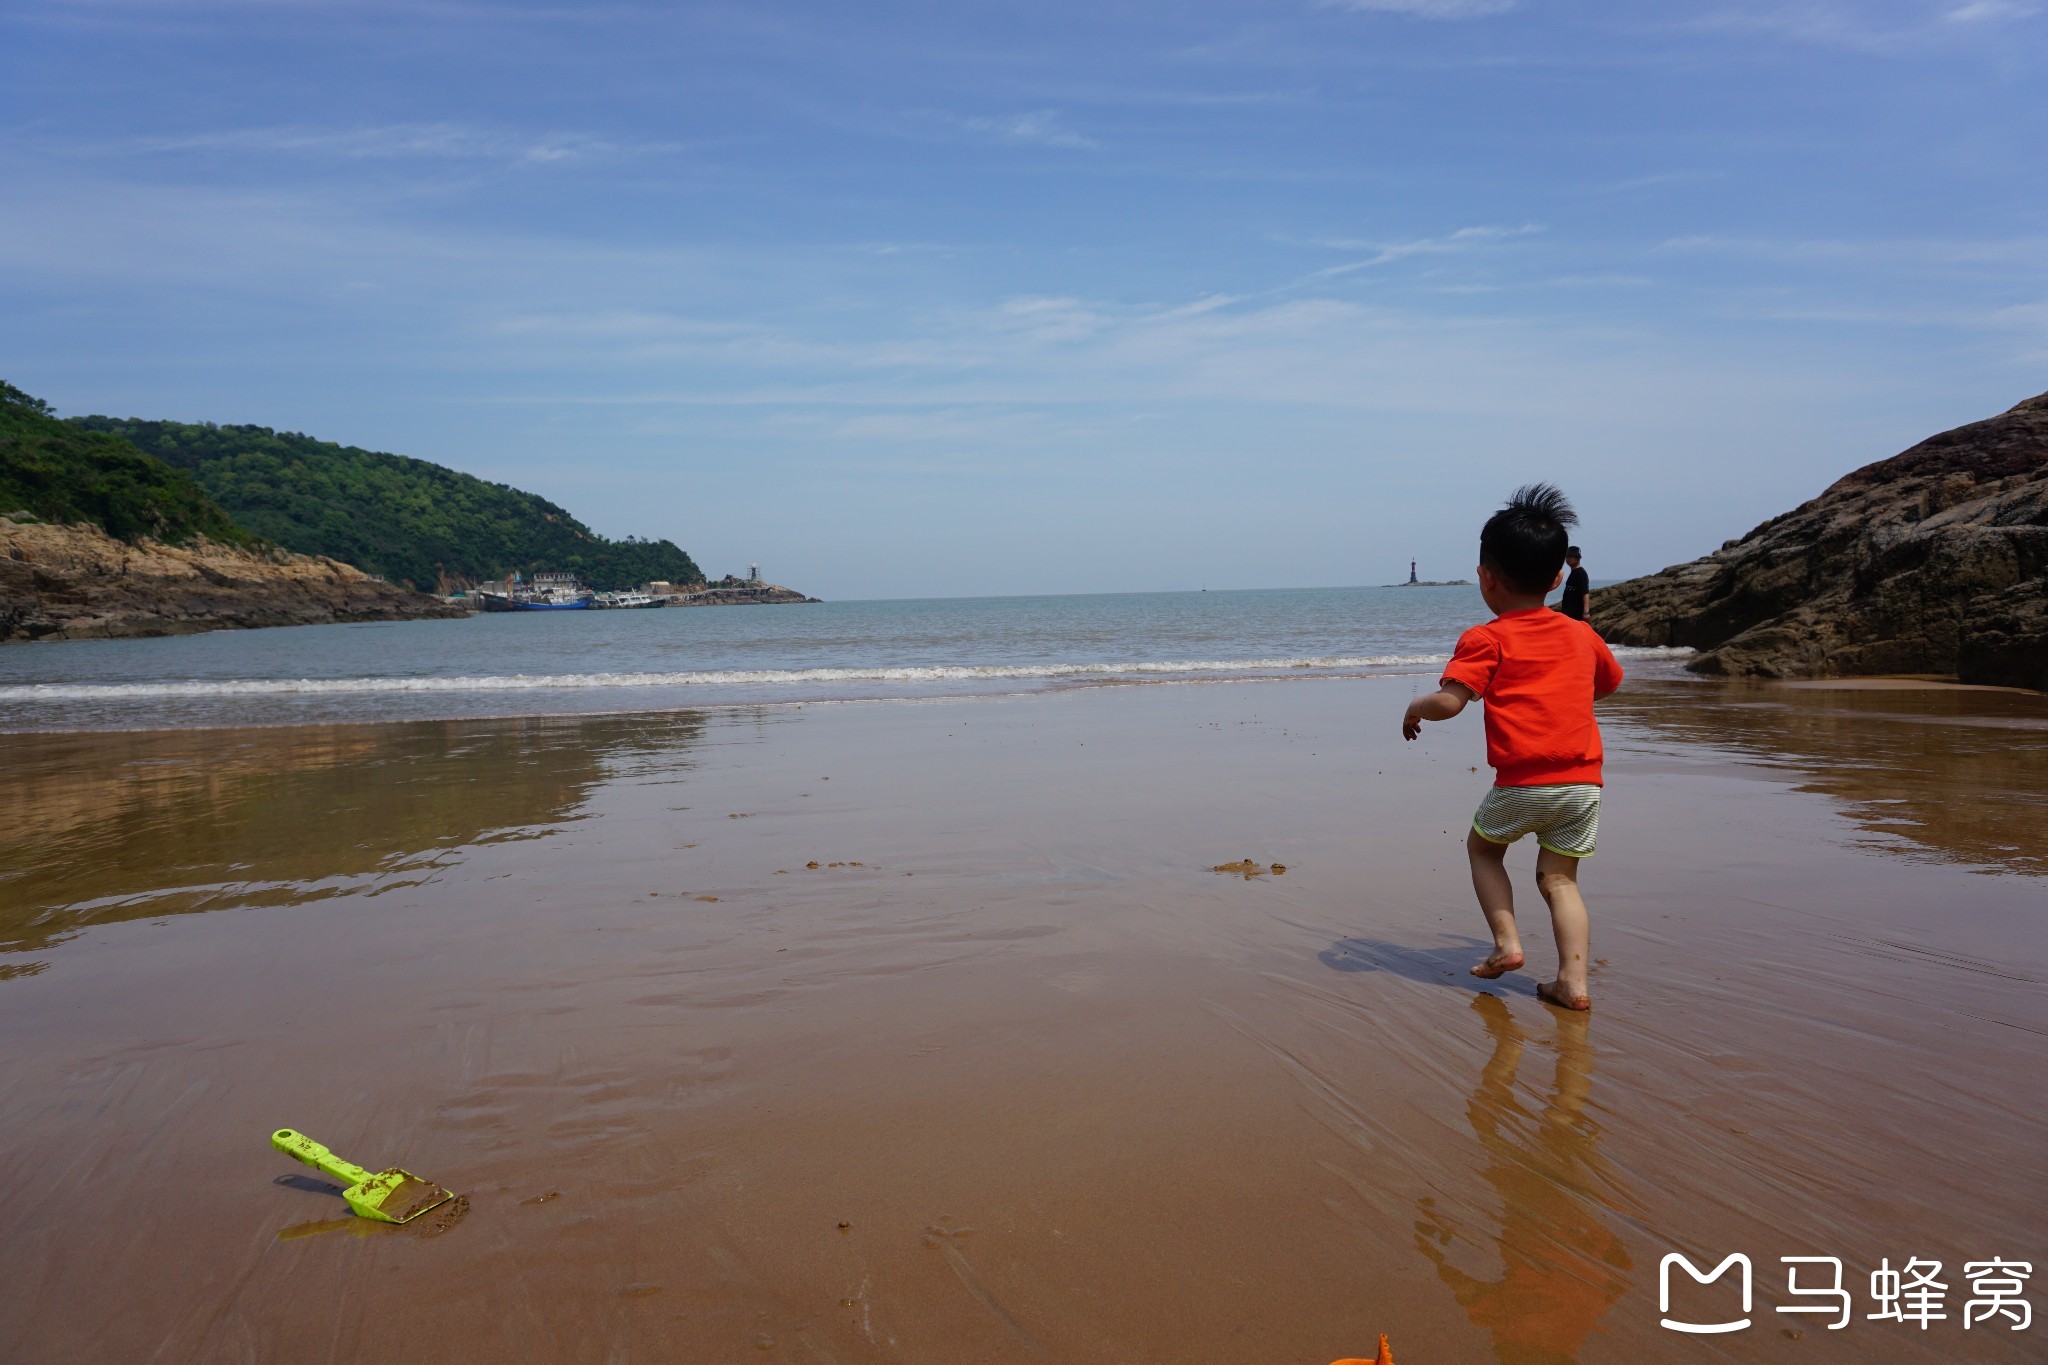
x=1553, y=992
x=1498, y=963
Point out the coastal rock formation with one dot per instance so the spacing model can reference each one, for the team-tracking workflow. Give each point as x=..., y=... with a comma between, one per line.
x=737, y=592
x=78, y=582
x=1934, y=561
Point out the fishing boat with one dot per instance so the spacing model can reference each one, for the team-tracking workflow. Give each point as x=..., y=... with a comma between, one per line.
x=557, y=599
x=612, y=601
x=546, y=592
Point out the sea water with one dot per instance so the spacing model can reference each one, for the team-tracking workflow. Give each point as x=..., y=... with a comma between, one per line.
x=560, y=663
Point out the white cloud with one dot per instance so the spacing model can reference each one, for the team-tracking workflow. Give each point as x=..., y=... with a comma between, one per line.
x=1384, y=253
x=1049, y=319
x=616, y=325
x=2023, y=316
x=966, y=427
x=1432, y=9
x=1897, y=256
x=444, y=141
x=1658, y=179
x=1981, y=11
x=1041, y=126
x=1890, y=27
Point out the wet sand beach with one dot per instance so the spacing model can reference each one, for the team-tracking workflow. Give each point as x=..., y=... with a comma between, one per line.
x=925, y=1032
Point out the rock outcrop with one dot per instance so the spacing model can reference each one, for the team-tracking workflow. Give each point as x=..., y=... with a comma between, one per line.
x=79, y=583
x=737, y=592
x=1934, y=561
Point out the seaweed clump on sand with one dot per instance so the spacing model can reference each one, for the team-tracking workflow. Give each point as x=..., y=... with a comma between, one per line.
x=1248, y=869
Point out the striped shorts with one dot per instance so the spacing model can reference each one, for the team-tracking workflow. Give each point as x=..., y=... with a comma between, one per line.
x=1565, y=817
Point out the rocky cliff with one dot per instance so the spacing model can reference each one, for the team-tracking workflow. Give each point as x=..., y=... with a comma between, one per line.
x=1934, y=561
x=77, y=582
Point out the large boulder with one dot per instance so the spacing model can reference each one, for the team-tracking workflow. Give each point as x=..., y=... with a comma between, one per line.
x=1932, y=562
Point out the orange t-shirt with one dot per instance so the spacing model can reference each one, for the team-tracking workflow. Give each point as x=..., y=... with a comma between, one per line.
x=1539, y=672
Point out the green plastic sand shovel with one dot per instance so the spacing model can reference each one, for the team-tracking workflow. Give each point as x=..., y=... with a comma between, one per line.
x=392, y=1197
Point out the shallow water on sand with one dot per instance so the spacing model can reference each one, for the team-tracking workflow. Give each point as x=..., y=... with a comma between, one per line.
x=594, y=662
x=1011, y=1074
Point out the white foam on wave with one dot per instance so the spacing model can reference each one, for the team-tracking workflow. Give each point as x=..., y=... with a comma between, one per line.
x=763, y=677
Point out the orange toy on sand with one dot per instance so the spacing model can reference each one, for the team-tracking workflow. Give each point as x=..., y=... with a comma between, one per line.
x=1385, y=1357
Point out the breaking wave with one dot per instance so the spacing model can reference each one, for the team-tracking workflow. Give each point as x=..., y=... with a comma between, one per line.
x=764, y=677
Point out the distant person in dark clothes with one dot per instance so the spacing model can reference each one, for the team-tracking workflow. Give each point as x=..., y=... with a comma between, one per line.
x=1578, y=588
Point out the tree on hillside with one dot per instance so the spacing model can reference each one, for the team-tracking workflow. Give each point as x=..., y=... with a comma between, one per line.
x=407, y=519
x=57, y=472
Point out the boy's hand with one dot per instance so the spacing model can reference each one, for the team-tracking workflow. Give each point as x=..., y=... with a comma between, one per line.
x=1442, y=704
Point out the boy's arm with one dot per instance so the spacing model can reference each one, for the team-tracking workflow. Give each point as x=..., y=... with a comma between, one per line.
x=1442, y=704
x=1606, y=671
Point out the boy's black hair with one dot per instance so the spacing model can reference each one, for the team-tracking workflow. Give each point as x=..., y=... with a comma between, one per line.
x=1572, y=552
x=1524, y=542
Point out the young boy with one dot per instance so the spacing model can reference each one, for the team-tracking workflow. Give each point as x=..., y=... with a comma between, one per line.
x=1539, y=673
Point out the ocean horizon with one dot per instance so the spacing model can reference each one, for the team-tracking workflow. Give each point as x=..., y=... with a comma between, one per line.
x=858, y=650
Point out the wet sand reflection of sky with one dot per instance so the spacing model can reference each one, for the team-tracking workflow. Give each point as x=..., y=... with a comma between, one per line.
x=104, y=828
x=1173, y=1106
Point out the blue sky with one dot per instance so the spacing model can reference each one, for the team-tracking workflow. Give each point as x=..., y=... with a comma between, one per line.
x=908, y=299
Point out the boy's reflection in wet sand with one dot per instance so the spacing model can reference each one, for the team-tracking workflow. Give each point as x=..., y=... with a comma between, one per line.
x=1562, y=1267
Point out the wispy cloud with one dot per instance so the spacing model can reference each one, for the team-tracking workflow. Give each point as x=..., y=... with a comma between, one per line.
x=468, y=11
x=1984, y=11
x=1889, y=27
x=1385, y=253
x=1040, y=127
x=1659, y=179
x=2025, y=322
x=970, y=427
x=1616, y=281
x=433, y=141
x=1431, y=9
x=2027, y=254
x=618, y=325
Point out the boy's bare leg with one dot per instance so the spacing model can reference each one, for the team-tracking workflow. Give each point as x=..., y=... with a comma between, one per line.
x=1557, y=877
x=1496, y=901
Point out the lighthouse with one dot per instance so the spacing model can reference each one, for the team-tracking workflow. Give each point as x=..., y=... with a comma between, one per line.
x=1411, y=571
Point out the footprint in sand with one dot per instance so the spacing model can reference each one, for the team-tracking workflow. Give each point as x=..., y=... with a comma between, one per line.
x=945, y=1240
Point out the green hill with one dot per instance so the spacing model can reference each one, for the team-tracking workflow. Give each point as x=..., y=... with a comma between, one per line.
x=62, y=474
x=406, y=519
